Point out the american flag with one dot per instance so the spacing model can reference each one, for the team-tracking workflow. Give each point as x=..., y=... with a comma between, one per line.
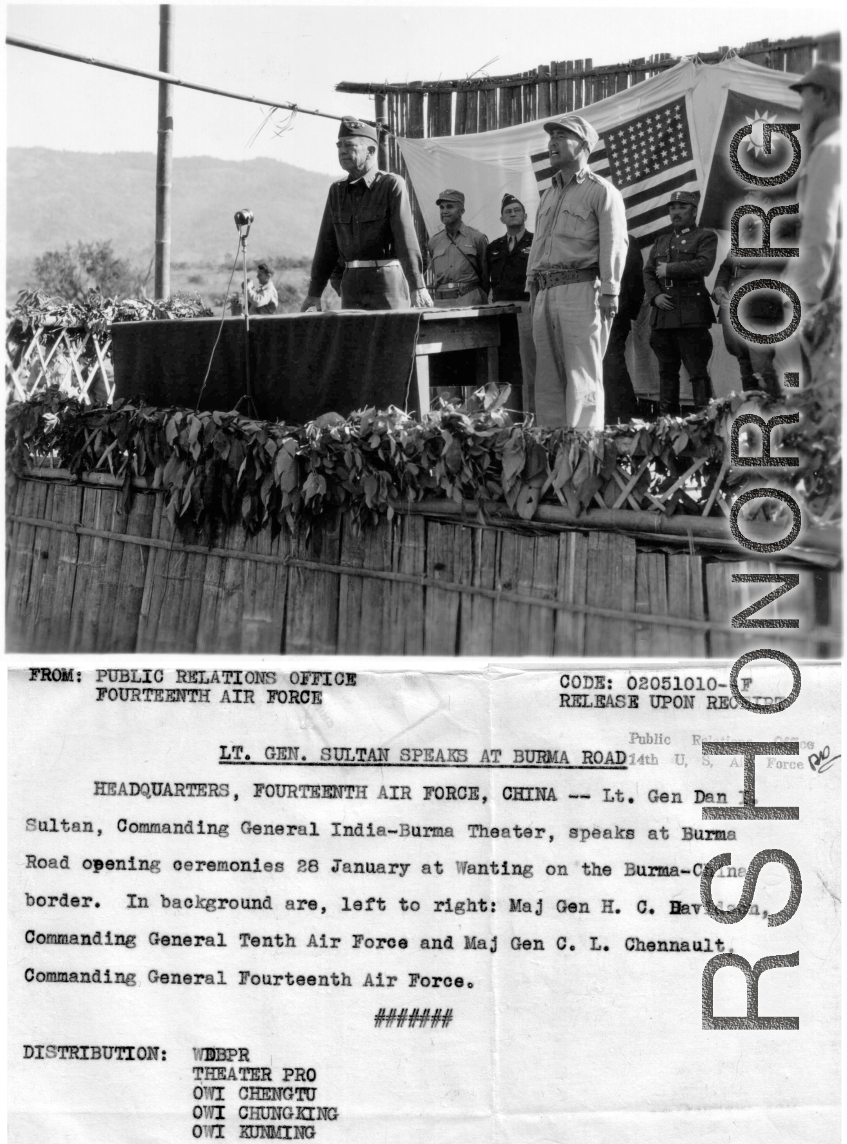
x=645, y=158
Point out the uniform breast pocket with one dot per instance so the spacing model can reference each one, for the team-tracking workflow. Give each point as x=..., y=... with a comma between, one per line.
x=574, y=221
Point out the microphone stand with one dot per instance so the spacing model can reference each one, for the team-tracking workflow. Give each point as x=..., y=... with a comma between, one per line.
x=243, y=231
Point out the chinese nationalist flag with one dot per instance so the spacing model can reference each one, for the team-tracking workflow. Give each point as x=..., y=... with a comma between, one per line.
x=725, y=190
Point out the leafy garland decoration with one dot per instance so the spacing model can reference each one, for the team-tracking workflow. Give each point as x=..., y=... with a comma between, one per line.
x=223, y=466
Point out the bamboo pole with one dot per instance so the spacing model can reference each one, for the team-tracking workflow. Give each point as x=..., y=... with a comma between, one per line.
x=164, y=77
x=381, y=104
x=164, y=159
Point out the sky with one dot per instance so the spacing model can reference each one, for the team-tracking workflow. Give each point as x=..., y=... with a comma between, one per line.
x=291, y=53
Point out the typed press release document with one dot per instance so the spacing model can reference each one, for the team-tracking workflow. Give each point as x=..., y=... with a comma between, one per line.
x=494, y=904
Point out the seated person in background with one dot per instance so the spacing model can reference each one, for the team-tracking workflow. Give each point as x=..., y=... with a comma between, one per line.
x=261, y=299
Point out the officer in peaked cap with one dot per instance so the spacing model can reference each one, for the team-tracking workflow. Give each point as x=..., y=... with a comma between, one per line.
x=508, y=257
x=457, y=256
x=367, y=232
x=573, y=277
x=681, y=311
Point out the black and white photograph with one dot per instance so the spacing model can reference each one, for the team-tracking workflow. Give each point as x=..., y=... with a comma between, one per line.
x=358, y=330
x=423, y=573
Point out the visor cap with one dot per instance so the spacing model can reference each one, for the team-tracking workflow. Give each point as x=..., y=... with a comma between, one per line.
x=825, y=74
x=351, y=126
x=576, y=123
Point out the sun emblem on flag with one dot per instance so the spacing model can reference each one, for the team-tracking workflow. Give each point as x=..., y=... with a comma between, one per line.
x=755, y=141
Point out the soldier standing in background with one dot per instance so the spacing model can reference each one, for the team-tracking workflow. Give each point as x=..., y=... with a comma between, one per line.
x=457, y=257
x=619, y=392
x=763, y=307
x=508, y=257
x=682, y=312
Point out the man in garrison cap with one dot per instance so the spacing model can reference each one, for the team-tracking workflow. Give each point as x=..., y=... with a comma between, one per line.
x=508, y=257
x=573, y=277
x=457, y=257
x=681, y=311
x=367, y=232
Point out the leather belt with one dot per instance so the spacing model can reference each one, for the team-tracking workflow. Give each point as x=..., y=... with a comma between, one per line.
x=371, y=263
x=549, y=278
x=455, y=289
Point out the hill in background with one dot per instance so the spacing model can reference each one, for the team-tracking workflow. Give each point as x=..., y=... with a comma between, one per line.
x=59, y=197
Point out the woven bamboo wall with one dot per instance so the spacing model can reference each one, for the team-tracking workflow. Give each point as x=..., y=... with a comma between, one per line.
x=83, y=575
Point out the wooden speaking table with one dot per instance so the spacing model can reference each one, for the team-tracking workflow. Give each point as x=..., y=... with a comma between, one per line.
x=486, y=329
x=302, y=365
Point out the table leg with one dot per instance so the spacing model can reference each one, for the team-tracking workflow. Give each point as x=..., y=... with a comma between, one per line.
x=422, y=378
x=493, y=364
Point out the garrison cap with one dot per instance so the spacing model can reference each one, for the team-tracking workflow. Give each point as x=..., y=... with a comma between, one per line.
x=508, y=200
x=690, y=197
x=578, y=125
x=351, y=126
x=449, y=196
x=825, y=74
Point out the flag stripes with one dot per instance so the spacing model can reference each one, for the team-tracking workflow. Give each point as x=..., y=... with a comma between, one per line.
x=645, y=158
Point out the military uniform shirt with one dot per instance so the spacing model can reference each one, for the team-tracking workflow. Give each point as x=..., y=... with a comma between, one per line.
x=507, y=268
x=367, y=219
x=690, y=255
x=581, y=223
x=459, y=259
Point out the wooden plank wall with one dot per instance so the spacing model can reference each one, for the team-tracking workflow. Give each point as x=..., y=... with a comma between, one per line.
x=75, y=582
x=463, y=107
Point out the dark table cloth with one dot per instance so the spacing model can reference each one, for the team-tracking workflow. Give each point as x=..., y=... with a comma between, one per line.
x=301, y=365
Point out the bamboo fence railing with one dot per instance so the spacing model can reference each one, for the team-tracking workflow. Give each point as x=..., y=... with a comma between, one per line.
x=79, y=362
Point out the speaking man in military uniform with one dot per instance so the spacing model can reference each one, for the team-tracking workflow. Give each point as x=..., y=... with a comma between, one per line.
x=682, y=312
x=508, y=257
x=574, y=274
x=367, y=230
x=457, y=257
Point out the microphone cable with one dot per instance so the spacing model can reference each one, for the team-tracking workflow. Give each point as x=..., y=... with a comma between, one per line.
x=221, y=326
